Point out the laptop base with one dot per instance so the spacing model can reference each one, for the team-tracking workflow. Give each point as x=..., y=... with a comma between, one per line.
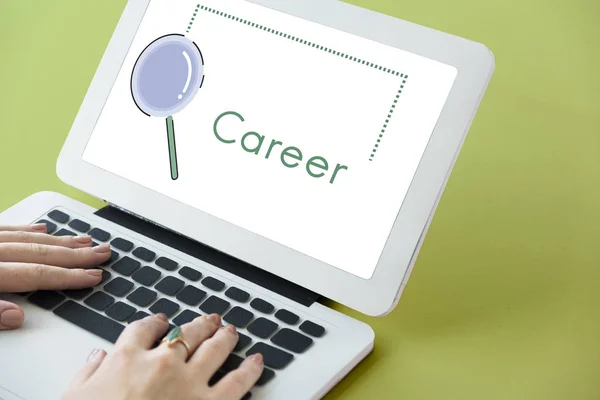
x=39, y=360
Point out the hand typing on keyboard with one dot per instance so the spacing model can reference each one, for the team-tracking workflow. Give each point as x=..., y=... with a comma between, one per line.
x=137, y=280
x=32, y=260
x=136, y=370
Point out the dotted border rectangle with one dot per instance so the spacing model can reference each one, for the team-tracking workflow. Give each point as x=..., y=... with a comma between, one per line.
x=390, y=71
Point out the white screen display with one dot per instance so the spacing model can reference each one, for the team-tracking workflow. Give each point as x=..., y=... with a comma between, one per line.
x=300, y=133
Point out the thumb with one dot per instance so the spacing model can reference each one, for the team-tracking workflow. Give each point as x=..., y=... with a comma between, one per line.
x=92, y=363
x=11, y=315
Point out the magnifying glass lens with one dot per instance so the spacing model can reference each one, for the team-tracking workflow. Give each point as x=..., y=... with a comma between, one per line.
x=165, y=77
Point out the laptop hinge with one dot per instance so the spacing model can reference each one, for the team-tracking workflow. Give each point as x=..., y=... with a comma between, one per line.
x=208, y=254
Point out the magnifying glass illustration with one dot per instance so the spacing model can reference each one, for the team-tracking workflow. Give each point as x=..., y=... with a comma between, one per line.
x=165, y=79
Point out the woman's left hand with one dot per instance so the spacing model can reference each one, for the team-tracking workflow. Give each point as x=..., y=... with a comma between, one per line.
x=32, y=260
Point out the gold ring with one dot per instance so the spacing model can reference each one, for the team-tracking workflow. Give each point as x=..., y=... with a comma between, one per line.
x=174, y=337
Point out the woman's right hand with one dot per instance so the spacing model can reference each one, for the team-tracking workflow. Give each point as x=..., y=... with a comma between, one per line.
x=136, y=371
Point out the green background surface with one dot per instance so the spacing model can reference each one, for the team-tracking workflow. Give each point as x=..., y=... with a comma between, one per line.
x=504, y=302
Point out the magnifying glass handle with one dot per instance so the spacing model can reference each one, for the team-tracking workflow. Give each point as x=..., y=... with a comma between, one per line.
x=172, y=148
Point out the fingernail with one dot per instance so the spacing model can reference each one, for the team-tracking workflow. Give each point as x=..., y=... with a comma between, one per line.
x=256, y=358
x=11, y=318
x=161, y=316
x=82, y=239
x=231, y=329
x=94, y=272
x=92, y=354
x=96, y=354
x=216, y=318
x=103, y=248
x=39, y=227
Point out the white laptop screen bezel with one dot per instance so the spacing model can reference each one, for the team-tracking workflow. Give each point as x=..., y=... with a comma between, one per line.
x=375, y=296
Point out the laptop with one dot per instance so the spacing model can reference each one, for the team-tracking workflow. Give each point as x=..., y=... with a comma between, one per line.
x=255, y=157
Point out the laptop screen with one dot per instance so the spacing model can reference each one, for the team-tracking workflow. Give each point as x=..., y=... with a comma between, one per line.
x=303, y=134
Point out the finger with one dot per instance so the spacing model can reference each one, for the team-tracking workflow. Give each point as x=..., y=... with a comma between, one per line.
x=20, y=277
x=144, y=333
x=238, y=382
x=213, y=352
x=11, y=316
x=92, y=363
x=40, y=228
x=54, y=255
x=73, y=242
x=194, y=333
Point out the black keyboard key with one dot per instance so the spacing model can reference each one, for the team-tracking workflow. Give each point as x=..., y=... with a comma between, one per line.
x=165, y=306
x=214, y=305
x=137, y=316
x=287, y=317
x=142, y=296
x=94, y=244
x=99, y=301
x=50, y=226
x=46, y=299
x=216, y=378
x=126, y=266
x=90, y=320
x=113, y=257
x=262, y=306
x=237, y=294
x=265, y=377
x=166, y=263
x=99, y=234
x=105, y=277
x=169, y=286
x=146, y=276
x=144, y=254
x=262, y=327
x=58, y=216
x=122, y=244
x=272, y=356
x=247, y=396
x=79, y=225
x=185, y=317
x=78, y=294
x=118, y=286
x=191, y=296
x=190, y=274
x=238, y=317
x=65, y=232
x=213, y=284
x=243, y=342
x=292, y=340
x=312, y=329
x=232, y=362
x=120, y=311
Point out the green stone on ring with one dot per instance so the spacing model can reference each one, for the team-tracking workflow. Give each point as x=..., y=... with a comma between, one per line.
x=174, y=334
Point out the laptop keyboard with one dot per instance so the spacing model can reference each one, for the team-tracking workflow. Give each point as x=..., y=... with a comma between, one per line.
x=134, y=285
